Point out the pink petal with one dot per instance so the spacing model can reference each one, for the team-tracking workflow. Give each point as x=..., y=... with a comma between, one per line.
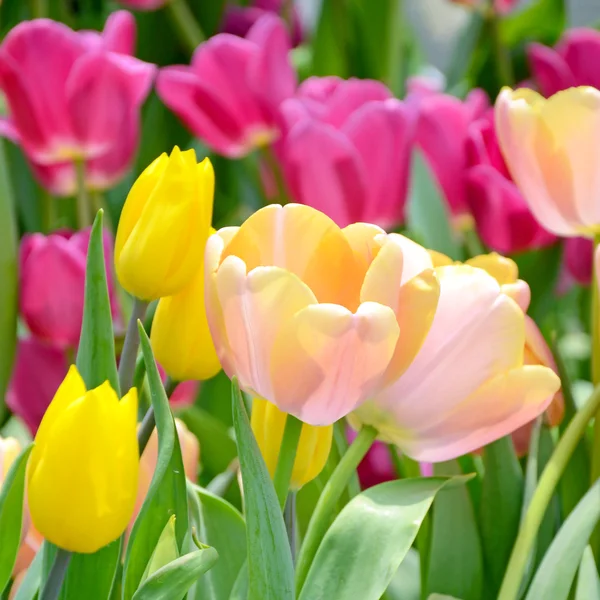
x=119, y=33
x=551, y=72
x=580, y=49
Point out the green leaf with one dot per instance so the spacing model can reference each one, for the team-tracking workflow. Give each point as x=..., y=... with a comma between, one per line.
x=175, y=579
x=240, y=587
x=11, y=515
x=331, y=40
x=406, y=583
x=167, y=493
x=30, y=584
x=455, y=565
x=270, y=569
x=556, y=572
x=541, y=20
x=369, y=539
x=8, y=277
x=221, y=526
x=463, y=53
x=166, y=550
x=500, y=508
x=588, y=584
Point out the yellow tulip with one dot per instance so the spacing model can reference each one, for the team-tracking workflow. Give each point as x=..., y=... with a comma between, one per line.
x=164, y=223
x=180, y=334
x=268, y=423
x=82, y=475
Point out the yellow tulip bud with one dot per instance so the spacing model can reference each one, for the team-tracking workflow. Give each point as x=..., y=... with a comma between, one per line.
x=180, y=336
x=268, y=423
x=82, y=475
x=164, y=225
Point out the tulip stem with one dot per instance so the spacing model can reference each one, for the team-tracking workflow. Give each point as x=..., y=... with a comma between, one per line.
x=551, y=475
x=289, y=516
x=273, y=165
x=504, y=68
x=185, y=23
x=149, y=421
x=39, y=8
x=321, y=517
x=56, y=576
x=84, y=216
x=130, y=346
x=595, y=468
x=287, y=457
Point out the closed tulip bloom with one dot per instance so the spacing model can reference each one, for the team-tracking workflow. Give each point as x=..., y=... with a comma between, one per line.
x=230, y=94
x=158, y=250
x=82, y=475
x=347, y=150
x=578, y=259
x=268, y=423
x=311, y=317
x=468, y=385
x=74, y=96
x=550, y=147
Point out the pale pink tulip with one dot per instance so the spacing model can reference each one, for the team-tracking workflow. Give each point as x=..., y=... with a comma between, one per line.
x=74, y=96
x=551, y=150
x=347, y=150
x=229, y=96
x=314, y=318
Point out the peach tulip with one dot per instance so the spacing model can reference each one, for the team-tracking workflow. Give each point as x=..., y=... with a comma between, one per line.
x=551, y=149
x=469, y=384
x=314, y=318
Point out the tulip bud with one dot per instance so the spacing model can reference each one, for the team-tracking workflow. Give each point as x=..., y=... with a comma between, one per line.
x=82, y=476
x=268, y=423
x=167, y=212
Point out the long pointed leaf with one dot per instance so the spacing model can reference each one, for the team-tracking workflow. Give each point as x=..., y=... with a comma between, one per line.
x=588, y=583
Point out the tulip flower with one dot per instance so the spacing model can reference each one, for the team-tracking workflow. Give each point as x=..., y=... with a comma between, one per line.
x=82, y=475
x=229, y=96
x=550, y=147
x=468, y=384
x=579, y=258
x=268, y=423
x=572, y=62
x=52, y=281
x=441, y=134
x=313, y=318
x=74, y=97
x=28, y=396
x=502, y=217
x=167, y=214
x=347, y=150
x=377, y=466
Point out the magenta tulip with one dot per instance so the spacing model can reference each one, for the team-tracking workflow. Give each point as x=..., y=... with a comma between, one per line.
x=573, y=62
x=52, y=277
x=347, y=150
x=579, y=259
x=74, y=96
x=229, y=96
x=502, y=217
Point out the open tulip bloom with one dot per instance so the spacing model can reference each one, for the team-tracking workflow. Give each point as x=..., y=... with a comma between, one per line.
x=330, y=334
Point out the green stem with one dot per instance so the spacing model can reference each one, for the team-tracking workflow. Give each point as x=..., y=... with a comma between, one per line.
x=473, y=244
x=39, y=8
x=287, y=457
x=272, y=163
x=595, y=468
x=48, y=211
x=185, y=23
x=542, y=496
x=289, y=516
x=84, y=216
x=394, y=77
x=130, y=346
x=333, y=489
x=149, y=422
x=502, y=59
x=56, y=576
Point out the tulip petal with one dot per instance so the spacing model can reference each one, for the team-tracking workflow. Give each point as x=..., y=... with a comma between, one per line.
x=328, y=360
x=551, y=72
x=119, y=32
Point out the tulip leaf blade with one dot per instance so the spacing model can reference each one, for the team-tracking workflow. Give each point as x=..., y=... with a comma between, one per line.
x=588, y=582
x=555, y=575
x=96, y=353
x=11, y=515
x=221, y=526
x=175, y=579
x=167, y=492
x=30, y=585
x=270, y=568
x=369, y=539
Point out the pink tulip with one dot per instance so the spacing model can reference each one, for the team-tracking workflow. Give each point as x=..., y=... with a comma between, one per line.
x=229, y=96
x=38, y=371
x=74, y=96
x=52, y=278
x=573, y=62
x=143, y=4
x=442, y=131
x=347, y=151
x=238, y=20
x=376, y=467
x=502, y=217
x=579, y=258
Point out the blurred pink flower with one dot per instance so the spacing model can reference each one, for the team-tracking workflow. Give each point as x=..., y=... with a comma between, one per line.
x=38, y=371
x=502, y=7
x=239, y=19
x=143, y=4
x=442, y=129
x=502, y=217
x=579, y=258
x=376, y=467
x=572, y=62
x=74, y=96
x=184, y=394
x=52, y=279
x=229, y=96
x=347, y=150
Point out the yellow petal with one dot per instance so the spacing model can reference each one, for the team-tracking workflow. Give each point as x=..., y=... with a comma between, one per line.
x=502, y=269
